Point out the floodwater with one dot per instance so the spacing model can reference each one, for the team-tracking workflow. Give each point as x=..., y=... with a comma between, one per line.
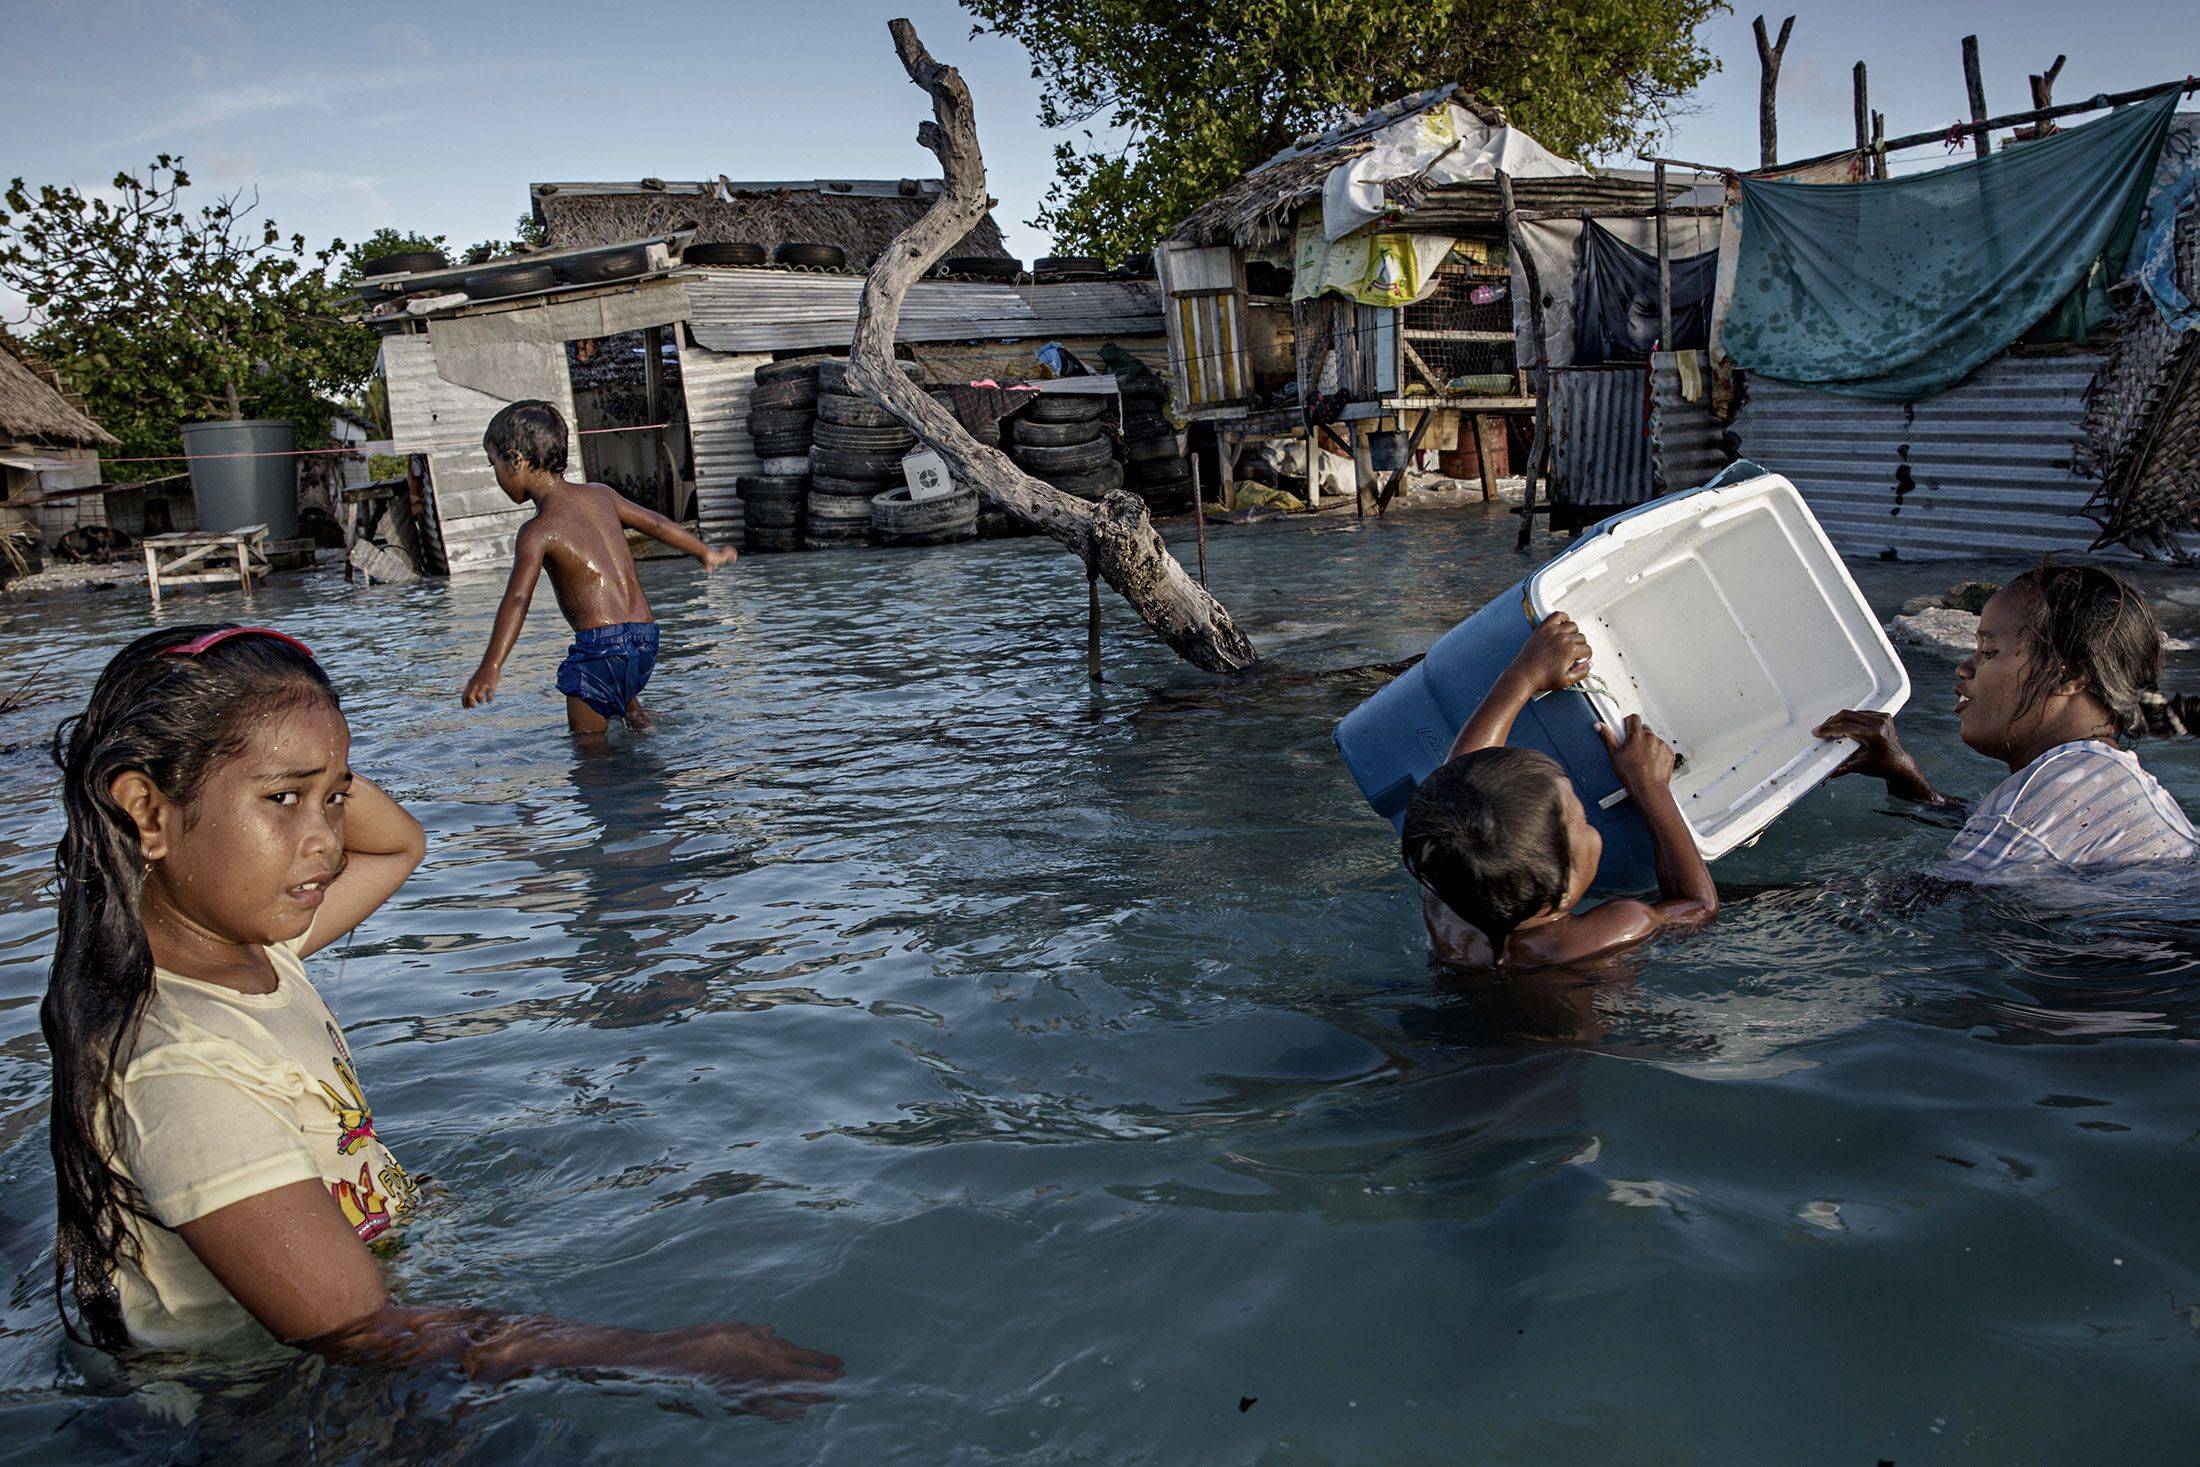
x=1066, y=1059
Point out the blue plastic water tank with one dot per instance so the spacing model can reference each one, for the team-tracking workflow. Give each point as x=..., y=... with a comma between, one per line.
x=1399, y=736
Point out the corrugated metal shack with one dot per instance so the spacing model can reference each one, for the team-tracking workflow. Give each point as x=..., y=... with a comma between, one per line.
x=2007, y=461
x=1265, y=342
x=49, y=446
x=699, y=332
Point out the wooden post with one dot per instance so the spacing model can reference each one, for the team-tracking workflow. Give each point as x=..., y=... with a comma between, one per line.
x=1768, y=86
x=1977, y=88
x=1482, y=456
x=1363, y=464
x=1092, y=621
x=1863, y=111
x=1199, y=515
x=1879, y=145
x=1665, y=265
x=2043, y=97
x=1516, y=243
x=244, y=568
x=152, y=573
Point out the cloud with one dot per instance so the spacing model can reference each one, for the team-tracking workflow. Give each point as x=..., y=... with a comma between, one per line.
x=404, y=40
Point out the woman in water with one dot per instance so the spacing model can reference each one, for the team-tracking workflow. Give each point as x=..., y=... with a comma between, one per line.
x=219, y=1172
x=2066, y=671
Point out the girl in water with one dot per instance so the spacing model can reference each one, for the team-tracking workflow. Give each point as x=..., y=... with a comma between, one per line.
x=2066, y=671
x=219, y=1171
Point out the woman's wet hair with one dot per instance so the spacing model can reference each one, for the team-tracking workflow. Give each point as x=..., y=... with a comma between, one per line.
x=171, y=714
x=529, y=432
x=1487, y=834
x=2090, y=625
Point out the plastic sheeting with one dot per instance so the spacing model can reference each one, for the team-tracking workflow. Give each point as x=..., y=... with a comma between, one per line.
x=1447, y=141
x=1895, y=290
x=1554, y=245
x=1616, y=299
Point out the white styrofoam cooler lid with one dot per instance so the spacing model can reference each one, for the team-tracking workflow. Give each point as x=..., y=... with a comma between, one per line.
x=1725, y=618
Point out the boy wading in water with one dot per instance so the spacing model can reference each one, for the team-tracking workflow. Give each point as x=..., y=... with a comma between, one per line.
x=578, y=534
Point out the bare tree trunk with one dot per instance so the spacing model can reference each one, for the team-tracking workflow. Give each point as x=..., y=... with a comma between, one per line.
x=1768, y=87
x=1115, y=539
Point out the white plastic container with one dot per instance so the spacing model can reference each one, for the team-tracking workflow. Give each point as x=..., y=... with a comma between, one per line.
x=1727, y=621
x=926, y=473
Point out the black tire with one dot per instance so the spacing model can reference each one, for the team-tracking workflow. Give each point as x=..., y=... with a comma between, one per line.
x=847, y=488
x=1031, y=434
x=817, y=256
x=894, y=513
x=1093, y=486
x=880, y=443
x=724, y=252
x=785, y=397
x=771, y=515
x=1154, y=450
x=794, y=369
x=789, y=445
x=611, y=265
x=405, y=262
x=770, y=486
x=989, y=266
x=861, y=466
x=1075, y=458
x=768, y=540
x=849, y=411
x=1068, y=265
x=496, y=285
x=779, y=422
x=832, y=374
x=1067, y=407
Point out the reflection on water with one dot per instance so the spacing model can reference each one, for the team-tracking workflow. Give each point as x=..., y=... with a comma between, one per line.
x=1067, y=1058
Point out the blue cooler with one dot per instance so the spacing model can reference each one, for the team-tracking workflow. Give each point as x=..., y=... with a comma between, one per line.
x=1399, y=736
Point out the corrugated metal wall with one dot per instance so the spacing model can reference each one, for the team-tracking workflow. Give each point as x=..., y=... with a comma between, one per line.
x=1984, y=468
x=1684, y=436
x=1600, y=437
x=782, y=310
x=718, y=386
x=475, y=521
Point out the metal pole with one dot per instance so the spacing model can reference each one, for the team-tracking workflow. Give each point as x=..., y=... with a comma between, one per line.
x=1665, y=266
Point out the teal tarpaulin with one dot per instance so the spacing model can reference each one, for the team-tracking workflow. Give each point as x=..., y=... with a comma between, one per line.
x=1897, y=289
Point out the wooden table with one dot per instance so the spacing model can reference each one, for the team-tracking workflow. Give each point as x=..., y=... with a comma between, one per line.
x=190, y=558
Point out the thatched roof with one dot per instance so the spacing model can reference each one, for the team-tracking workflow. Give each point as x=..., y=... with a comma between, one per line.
x=35, y=409
x=862, y=217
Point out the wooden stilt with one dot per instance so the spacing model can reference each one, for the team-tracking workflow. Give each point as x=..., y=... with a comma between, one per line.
x=1975, y=85
x=1199, y=516
x=1092, y=623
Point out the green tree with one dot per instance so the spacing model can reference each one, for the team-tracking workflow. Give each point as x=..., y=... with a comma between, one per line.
x=1202, y=90
x=161, y=314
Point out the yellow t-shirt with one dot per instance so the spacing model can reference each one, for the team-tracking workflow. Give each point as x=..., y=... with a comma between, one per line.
x=227, y=1095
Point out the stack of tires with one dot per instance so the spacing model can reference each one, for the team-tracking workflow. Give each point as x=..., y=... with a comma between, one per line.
x=782, y=409
x=772, y=508
x=855, y=455
x=1063, y=438
x=1157, y=467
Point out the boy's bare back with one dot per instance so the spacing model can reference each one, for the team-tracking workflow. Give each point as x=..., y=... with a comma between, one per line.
x=578, y=537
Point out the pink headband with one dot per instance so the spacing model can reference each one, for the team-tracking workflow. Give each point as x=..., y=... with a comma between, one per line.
x=197, y=645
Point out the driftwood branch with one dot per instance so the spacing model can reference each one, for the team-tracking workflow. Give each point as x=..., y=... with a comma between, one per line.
x=1114, y=539
x=1768, y=87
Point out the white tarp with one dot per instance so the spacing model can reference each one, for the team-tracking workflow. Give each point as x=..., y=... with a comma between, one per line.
x=1352, y=196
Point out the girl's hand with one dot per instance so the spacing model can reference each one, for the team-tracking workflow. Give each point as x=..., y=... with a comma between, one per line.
x=481, y=687
x=1879, y=752
x=1641, y=759
x=1556, y=656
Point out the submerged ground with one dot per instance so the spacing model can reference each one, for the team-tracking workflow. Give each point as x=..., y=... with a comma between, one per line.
x=1066, y=1059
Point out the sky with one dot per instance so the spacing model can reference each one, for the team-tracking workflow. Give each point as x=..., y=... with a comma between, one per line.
x=435, y=118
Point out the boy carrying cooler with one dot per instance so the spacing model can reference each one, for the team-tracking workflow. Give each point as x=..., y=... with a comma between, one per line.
x=578, y=534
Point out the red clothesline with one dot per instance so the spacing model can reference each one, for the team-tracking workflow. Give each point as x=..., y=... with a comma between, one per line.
x=168, y=458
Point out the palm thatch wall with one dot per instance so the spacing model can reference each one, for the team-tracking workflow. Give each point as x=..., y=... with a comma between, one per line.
x=861, y=221
x=34, y=408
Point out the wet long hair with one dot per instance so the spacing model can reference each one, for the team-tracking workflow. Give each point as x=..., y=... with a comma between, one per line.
x=2090, y=625
x=172, y=718
x=1487, y=834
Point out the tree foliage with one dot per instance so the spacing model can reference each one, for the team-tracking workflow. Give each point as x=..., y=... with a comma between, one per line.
x=1199, y=91
x=159, y=313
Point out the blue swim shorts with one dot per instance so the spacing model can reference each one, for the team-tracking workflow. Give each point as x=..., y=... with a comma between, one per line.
x=609, y=666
